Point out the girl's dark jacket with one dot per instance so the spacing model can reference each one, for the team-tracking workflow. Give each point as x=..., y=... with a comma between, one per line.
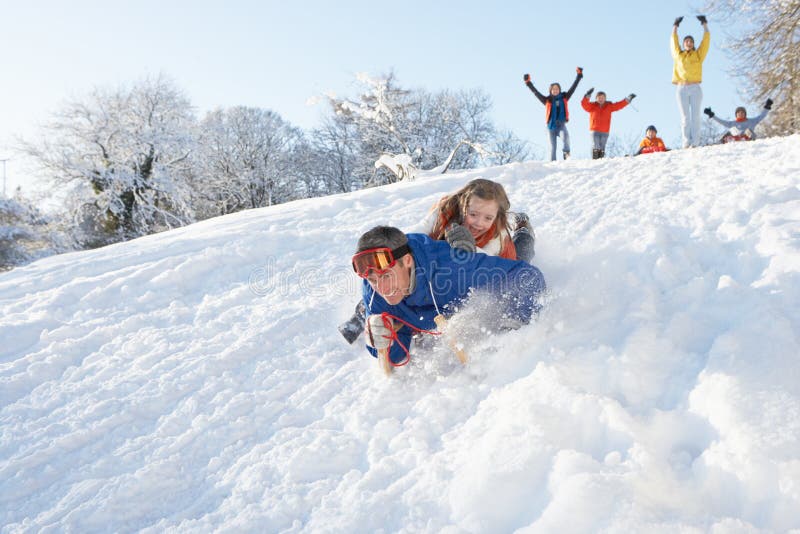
x=549, y=99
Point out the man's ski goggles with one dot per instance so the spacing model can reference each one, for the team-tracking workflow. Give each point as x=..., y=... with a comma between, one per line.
x=378, y=260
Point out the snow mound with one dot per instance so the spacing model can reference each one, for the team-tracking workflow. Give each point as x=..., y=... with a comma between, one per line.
x=195, y=380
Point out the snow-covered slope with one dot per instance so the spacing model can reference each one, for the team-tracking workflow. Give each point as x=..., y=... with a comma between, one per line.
x=195, y=381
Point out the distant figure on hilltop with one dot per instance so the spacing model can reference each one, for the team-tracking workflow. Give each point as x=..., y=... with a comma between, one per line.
x=741, y=129
x=556, y=112
x=651, y=143
x=687, y=74
x=600, y=118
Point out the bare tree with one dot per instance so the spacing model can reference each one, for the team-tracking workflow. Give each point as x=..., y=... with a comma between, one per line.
x=449, y=119
x=767, y=55
x=710, y=133
x=507, y=148
x=623, y=146
x=245, y=160
x=124, y=154
x=333, y=155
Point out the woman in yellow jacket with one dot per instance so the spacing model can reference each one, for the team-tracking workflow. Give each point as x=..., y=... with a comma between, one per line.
x=687, y=73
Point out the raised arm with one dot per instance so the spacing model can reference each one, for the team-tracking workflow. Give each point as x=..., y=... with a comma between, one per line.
x=529, y=83
x=760, y=117
x=616, y=106
x=574, y=86
x=674, y=47
x=713, y=117
x=726, y=124
x=705, y=43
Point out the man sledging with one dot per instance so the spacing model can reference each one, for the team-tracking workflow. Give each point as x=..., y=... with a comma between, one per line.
x=411, y=282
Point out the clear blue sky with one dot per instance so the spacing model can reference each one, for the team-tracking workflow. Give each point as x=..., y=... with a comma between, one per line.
x=277, y=55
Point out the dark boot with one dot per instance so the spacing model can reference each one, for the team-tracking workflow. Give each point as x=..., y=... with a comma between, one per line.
x=595, y=153
x=523, y=236
x=524, y=240
x=354, y=327
x=601, y=154
x=566, y=155
x=521, y=220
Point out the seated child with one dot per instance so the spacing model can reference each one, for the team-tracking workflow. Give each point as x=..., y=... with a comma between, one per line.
x=742, y=129
x=651, y=143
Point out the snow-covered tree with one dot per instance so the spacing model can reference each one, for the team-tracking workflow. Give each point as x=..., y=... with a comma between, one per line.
x=246, y=160
x=508, y=148
x=25, y=233
x=124, y=155
x=439, y=122
x=393, y=124
x=333, y=155
x=379, y=117
x=766, y=53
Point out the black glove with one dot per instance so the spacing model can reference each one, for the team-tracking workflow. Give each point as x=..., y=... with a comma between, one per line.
x=678, y=21
x=589, y=92
x=579, y=70
x=527, y=78
x=768, y=104
x=459, y=237
x=631, y=97
x=708, y=112
x=702, y=19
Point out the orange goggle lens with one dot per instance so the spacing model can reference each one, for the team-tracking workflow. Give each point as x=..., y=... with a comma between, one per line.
x=378, y=260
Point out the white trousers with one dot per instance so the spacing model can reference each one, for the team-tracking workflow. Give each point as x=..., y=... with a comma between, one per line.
x=690, y=98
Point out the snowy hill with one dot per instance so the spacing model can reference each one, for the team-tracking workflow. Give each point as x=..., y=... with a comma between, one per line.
x=195, y=381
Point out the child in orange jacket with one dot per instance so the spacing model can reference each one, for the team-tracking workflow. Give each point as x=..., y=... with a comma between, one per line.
x=600, y=118
x=651, y=143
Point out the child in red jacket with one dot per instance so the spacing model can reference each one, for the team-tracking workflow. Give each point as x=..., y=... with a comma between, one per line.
x=600, y=118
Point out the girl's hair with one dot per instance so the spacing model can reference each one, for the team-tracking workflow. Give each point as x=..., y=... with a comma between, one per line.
x=740, y=108
x=453, y=208
x=555, y=84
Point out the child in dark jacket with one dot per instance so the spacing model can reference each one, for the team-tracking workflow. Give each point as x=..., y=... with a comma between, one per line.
x=556, y=112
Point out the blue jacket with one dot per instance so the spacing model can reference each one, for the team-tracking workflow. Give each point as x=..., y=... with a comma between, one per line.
x=451, y=274
x=735, y=126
